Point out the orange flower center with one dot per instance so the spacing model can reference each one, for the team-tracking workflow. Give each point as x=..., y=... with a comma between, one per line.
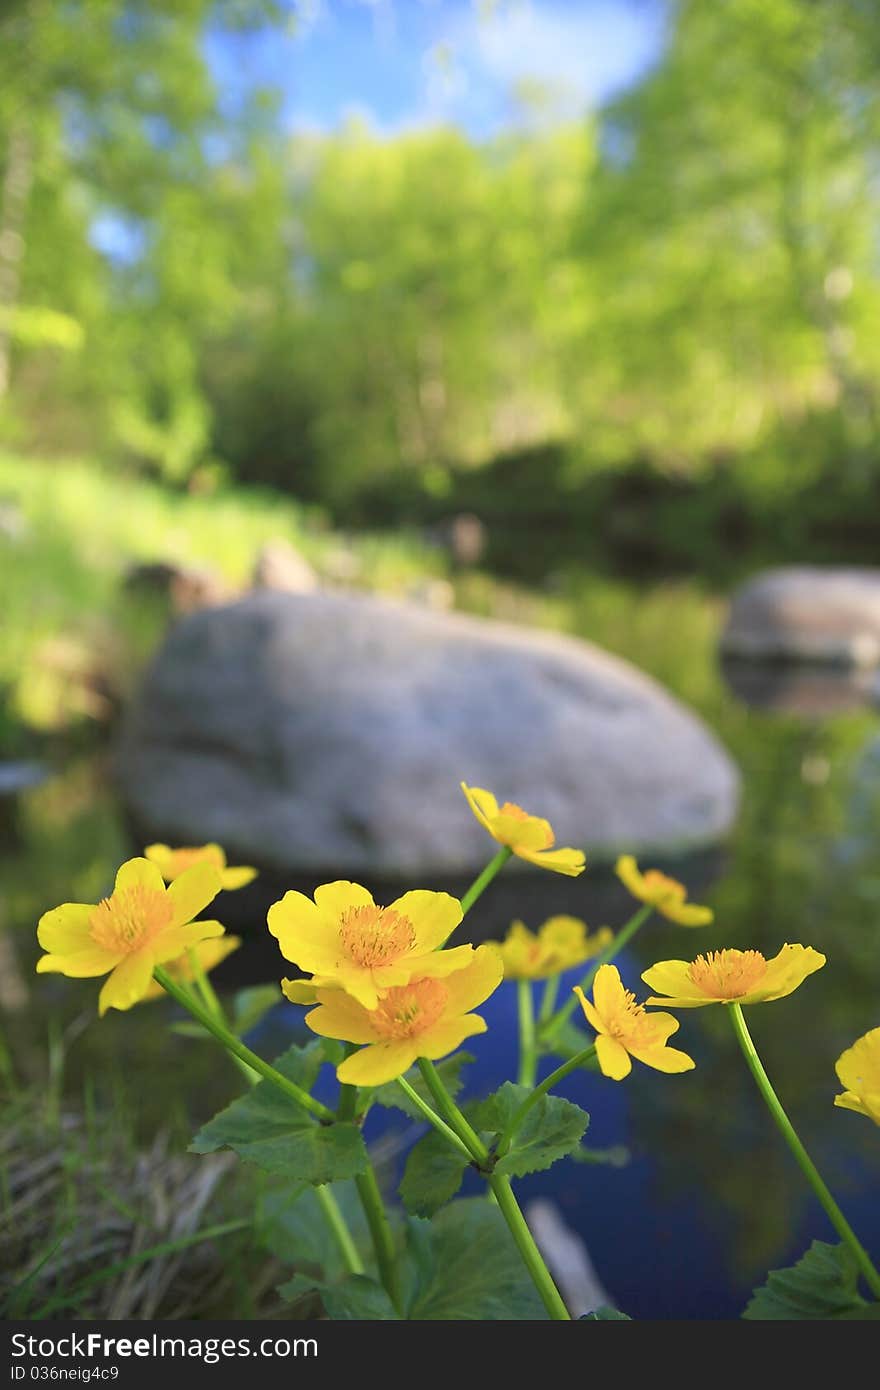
x=130, y=918
x=182, y=859
x=376, y=935
x=663, y=886
x=727, y=974
x=408, y=1010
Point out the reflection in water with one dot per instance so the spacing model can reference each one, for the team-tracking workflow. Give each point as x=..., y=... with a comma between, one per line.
x=711, y=1199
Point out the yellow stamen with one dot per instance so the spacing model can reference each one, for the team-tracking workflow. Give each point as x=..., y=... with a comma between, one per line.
x=727, y=974
x=130, y=918
x=376, y=935
x=408, y=1010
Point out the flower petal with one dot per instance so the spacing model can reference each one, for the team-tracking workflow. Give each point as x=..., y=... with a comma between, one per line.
x=562, y=861
x=686, y=914
x=448, y=1034
x=469, y=987
x=483, y=805
x=439, y=964
x=849, y=1101
x=671, y=977
x=608, y=991
x=174, y=941
x=82, y=964
x=191, y=892
x=340, y=1016
x=662, y=1058
x=613, y=1057
x=785, y=971
x=300, y=991
x=304, y=933
x=340, y=897
x=66, y=928
x=139, y=872
x=237, y=877
x=524, y=836
x=590, y=1013
x=128, y=983
x=381, y=1062
x=627, y=871
x=434, y=917
x=858, y=1068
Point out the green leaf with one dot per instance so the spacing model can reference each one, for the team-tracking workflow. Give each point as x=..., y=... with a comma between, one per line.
x=354, y=1299
x=251, y=1005
x=823, y=1284
x=268, y=1128
x=605, y=1314
x=433, y=1174
x=393, y=1098
x=333, y=1050
x=552, y=1129
x=292, y=1226
x=478, y=1274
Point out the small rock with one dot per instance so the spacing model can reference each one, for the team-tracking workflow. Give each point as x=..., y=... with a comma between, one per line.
x=803, y=613
x=187, y=589
x=280, y=566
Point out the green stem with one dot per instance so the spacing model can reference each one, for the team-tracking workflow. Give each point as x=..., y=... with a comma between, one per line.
x=548, y=999
x=380, y=1232
x=204, y=986
x=613, y=949
x=482, y=881
x=433, y=1119
x=238, y=1049
x=528, y=1052
x=546, y=1085
x=805, y=1163
x=525, y=1243
x=337, y=1223
x=452, y=1115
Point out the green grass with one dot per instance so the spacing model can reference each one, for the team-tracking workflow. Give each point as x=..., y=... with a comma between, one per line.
x=73, y=635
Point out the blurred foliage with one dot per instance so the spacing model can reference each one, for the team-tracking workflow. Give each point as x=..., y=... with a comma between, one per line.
x=659, y=319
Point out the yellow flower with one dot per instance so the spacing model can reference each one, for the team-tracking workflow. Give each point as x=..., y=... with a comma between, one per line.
x=558, y=945
x=141, y=925
x=666, y=895
x=858, y=1069
x=208, y=953
x=731, y=977
x=350, y=943
x=528, y=836
x=173, y=862
x=624, y=1030
x=427, y=1017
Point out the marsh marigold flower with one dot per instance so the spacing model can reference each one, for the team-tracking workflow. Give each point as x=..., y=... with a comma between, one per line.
x=858, y=1069
x=527, y=836
x=623, y=1029
x=561, y=943
x=208, y=954
x=427, y=1017
x=666, y=895
x=731, y=977
x=173, y=862
x=348, y=942
x=141, y=925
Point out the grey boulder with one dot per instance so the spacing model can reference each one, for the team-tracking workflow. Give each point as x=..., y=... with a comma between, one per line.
x=329, y=732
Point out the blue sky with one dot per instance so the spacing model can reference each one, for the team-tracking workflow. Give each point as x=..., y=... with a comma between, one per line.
x=407, y=63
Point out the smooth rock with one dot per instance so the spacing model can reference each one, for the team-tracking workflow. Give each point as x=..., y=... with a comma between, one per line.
x=330, y=732
x=804, y=613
